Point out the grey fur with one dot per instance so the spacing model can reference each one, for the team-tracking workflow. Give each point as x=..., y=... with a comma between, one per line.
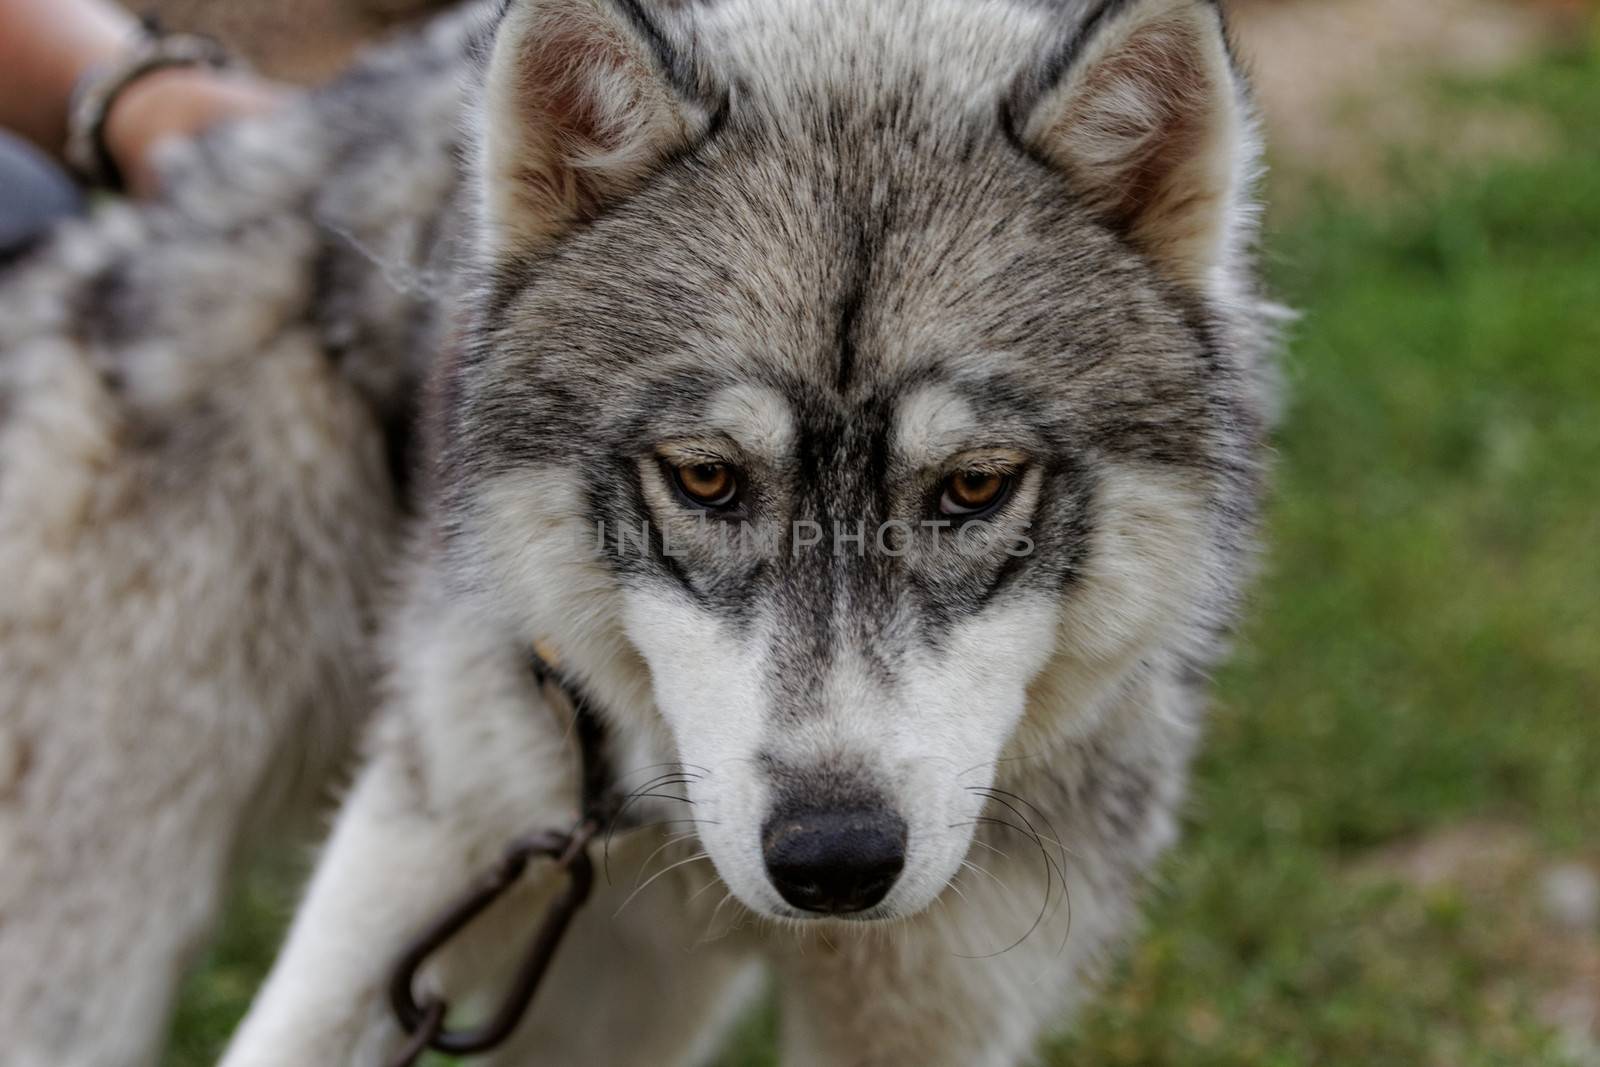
x=855, y=217
x=203, y=406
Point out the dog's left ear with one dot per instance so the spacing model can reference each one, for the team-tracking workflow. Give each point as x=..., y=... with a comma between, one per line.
x=1144, y=113
x=583, y=99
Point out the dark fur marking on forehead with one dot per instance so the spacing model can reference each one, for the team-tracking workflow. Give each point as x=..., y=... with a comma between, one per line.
x=593, y=387
x=849, y=312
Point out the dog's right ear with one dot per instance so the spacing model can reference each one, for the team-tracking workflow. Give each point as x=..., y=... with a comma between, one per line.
x=1144, y=113
x=583, y=99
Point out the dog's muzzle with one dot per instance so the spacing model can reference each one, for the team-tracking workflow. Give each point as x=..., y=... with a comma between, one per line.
x=831, y=861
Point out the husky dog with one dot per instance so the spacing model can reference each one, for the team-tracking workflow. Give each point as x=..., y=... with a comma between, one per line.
x=915, y=346
x=816, y=270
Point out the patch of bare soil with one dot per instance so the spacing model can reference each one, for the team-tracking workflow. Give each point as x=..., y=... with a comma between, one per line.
x=1545, y=913
x=1341, y=83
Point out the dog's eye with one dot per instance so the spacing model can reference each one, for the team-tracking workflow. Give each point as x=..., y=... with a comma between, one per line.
x=976, y=492
x=707, y=485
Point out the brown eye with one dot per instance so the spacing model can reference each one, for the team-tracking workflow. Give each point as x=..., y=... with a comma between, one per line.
x=710, y=485
x=968, y=493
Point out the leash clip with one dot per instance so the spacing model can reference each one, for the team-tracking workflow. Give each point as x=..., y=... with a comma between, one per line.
x=425, y=1020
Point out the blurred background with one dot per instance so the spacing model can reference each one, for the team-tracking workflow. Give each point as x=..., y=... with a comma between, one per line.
x=1394, y=849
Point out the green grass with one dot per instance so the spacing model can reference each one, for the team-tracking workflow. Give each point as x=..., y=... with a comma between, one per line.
x=1426, y=645
x=1424, y=651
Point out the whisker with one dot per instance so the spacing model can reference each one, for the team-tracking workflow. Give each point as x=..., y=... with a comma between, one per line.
x=1008, y=759
x=1002, y=853
x=956, y=889
x=706, y=938
x=1038, y=841
x=606, y=853
x=996, y=794
x=660, y=781
x=699, y=892
x=668, y=843
x=675, y=822
x=663, y=780
x=989, y=795
x=1050, y=869
x=969, y=865
x=663, y=796
x=683, y=768
x=665, y=870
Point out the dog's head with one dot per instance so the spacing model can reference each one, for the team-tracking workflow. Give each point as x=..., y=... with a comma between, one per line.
x=870, y=379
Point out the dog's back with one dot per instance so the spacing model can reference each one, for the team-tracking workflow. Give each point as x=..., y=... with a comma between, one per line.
x=205, y=416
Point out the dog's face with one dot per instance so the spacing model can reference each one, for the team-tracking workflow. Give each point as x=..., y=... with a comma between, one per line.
x=858, y=412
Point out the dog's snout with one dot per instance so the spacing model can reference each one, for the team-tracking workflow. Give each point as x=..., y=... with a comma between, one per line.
x=834, y=861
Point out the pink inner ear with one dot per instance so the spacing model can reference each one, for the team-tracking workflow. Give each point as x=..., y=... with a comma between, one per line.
x=559, y=83
x=557, y=87
x=1142, y=114
x=577, y=113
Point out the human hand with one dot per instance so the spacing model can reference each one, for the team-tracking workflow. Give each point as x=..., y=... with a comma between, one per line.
x=174, y=103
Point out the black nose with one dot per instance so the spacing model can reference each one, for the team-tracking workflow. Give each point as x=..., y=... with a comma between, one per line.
x=834, y=861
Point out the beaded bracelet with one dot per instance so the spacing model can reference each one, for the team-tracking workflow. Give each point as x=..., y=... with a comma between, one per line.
x=99, y=87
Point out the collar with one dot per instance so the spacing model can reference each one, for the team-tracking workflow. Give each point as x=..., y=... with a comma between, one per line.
x=600, y=803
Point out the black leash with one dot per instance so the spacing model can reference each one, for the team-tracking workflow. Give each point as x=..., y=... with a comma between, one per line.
x=424, y=1020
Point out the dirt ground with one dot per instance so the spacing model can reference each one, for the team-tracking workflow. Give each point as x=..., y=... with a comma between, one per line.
x=1341, y=82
